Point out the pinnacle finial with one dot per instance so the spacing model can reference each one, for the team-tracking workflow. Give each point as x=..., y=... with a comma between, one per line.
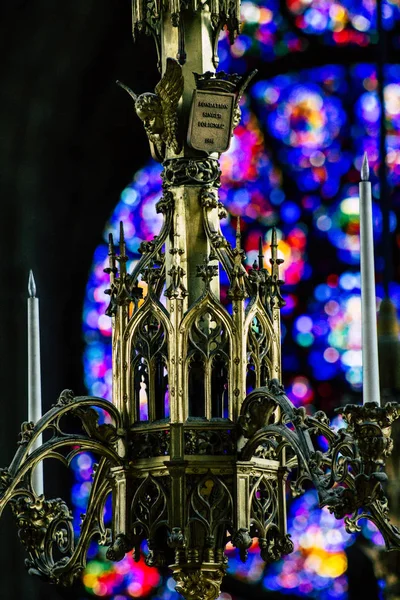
x=365, y=168
x=31, y=285
x=111, y=269
x=110, y=244
x=260, y=253
x=238, y=234
x=122, y=258
x=122, y=245
x=274, y=244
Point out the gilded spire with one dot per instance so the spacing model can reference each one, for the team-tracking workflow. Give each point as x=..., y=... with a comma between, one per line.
x=260, y=253
x=274, y=260
x=111, y=270
x=122, y=258
x=111, y=258
x=274, y=245
x=275, y=281
x=237, y=290
x=122, y=245
x=238, y=235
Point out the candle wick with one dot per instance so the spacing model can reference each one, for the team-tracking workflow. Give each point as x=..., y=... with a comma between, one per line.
x=31, y=285
x=365, y=168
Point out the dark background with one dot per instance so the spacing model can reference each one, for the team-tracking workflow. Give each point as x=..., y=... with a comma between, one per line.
x=69, y=144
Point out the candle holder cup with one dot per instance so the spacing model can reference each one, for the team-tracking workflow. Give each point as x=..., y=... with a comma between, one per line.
x=370, y=426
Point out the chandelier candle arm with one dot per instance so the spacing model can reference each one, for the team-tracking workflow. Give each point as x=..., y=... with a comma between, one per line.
x=34, y=377
x=368, y=298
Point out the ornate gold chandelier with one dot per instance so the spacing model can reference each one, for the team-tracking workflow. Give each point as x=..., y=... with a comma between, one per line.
x=212, y=458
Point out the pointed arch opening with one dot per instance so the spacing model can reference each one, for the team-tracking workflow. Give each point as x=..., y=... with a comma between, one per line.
x=149, y=384
x=259, y=348
x=208, y=369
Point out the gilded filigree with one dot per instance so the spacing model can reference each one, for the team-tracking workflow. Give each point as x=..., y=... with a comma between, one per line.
x=237, y=289
x=5, y=479
x=199, y=583
x=65, y=398
x=207, y=272
x=176, y=538
x=149, y=509
x=104, y=432
x=26, y=433
x=146, y=18
x=166, y=203
x=119, y=548
x=150, y=444
x=275, y=545
x=258, y=410
x=176, y=289
x=190, y=171
x=348, y=476
x=242, y=540
x=211, y=442
x=209, y=197
x=45, y=526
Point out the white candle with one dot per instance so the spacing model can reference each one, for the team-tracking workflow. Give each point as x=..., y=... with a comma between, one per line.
x=368, y=299
x=34, y=377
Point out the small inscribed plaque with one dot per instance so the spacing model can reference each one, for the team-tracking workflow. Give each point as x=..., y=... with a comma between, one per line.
x=210, y=126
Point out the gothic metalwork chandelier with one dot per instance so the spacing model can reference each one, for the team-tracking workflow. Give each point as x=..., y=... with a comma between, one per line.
x=212, y=455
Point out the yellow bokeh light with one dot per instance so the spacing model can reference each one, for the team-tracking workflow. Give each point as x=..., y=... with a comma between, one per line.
x=89, y=580
x=333, y=566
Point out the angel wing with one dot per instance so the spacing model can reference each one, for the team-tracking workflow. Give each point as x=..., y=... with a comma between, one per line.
x=170, y=90
x=245, y=83
x=237, y=113
x=127, y=89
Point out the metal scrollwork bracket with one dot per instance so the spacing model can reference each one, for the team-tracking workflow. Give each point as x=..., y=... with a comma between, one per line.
x=349, y=476
x=45, y=526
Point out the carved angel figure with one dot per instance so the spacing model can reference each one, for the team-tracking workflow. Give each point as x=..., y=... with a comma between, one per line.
x=158, y=111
